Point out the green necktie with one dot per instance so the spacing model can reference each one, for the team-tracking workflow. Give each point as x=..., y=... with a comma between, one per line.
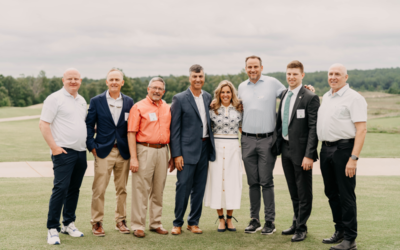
x=285, y=123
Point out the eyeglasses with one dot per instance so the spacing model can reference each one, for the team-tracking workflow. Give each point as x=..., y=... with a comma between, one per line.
x=156, y=89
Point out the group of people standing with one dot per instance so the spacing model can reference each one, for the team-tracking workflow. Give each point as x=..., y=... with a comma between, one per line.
x=199, y=136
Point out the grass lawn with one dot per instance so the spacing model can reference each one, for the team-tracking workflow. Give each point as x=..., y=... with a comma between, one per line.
x=8, y=112
x=24, y=207
x=22, y=141
x=387, y=124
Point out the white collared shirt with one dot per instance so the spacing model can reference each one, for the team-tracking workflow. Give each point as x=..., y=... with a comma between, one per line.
x=338, y=113
x=66, y=115
x=115, y=106
x=292, y=101
x=200, y=106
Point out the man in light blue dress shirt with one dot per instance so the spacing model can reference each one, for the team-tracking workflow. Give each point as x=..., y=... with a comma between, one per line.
x=258, y=95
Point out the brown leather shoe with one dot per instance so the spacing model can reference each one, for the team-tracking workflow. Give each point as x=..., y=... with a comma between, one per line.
x=194, y=229
x=176, y=230
x=97, y=230
x=122, y=228
x=159, y=230
x=138, y=233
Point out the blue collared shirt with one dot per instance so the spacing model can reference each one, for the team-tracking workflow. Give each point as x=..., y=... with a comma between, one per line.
x=259, y=104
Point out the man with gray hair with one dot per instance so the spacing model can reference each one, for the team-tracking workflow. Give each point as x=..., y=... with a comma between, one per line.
x=109, y=112
x=148, y=137
x=62, y=124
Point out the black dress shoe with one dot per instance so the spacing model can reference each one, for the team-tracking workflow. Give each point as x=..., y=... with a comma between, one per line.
x=337, y=237
x=291, y=230
x=299, y=236
x=253, y=227
x=269, y=228
x=345, y=245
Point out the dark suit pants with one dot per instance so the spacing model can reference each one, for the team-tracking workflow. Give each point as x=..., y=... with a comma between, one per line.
x=340, y=189
x=191, y=182
x=299, y=182
x=259, y=163
x=69, y=170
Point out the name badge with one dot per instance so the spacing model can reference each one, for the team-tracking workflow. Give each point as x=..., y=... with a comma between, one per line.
x=153, y=117
x=301, y=113
x=233, y=115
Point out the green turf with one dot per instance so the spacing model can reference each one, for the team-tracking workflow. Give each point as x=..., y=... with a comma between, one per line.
x=8, y=112
x=24, y=207
x=384, y=125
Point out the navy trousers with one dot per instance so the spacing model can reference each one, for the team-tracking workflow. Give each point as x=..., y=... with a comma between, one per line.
x=191, y=182
x=69, y=170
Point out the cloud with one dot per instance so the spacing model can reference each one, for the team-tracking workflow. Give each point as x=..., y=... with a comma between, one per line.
x=166, y=37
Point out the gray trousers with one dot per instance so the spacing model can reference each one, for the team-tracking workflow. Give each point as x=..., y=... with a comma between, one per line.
x=259, y=163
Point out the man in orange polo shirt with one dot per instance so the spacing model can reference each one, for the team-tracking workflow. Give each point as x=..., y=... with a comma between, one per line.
x=148, y=136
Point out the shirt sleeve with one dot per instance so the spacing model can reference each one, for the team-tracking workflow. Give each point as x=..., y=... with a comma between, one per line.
x=358, y=110
x=280, y=88
x=134, y=119
x=49, y=110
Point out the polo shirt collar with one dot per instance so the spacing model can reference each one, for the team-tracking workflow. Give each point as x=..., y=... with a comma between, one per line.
x=341, y=91
x=119, y=97
x=259, y=80
x=65, y=92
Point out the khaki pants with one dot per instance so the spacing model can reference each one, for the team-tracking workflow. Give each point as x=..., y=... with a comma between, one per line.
x=148, y=182
x=102, y=173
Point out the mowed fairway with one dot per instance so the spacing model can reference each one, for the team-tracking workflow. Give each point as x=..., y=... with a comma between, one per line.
x=8, y=112
x=22, y=141
x=24, y=207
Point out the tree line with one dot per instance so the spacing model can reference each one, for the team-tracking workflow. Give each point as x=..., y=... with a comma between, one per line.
x=28, y=90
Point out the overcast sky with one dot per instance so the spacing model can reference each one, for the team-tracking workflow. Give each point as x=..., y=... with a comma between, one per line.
x=147, y=38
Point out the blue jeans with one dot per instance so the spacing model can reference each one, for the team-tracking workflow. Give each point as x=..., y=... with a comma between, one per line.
x=69, y=170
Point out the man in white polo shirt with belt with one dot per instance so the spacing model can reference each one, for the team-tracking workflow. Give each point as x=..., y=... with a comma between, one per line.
x=63, y=127
x=341, y=126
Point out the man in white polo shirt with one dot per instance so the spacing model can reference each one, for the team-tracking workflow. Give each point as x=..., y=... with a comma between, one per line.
x=63, y=126
x=341, y=126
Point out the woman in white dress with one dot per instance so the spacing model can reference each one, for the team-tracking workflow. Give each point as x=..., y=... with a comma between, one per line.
x=224, y=180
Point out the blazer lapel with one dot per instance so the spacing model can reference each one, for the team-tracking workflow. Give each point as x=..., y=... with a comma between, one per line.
x=190, y=97
x=124, y=107
x=104, y=103
x=296, y=104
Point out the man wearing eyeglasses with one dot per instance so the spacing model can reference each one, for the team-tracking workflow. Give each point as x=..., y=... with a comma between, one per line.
x=109, y=111
x=148, y=136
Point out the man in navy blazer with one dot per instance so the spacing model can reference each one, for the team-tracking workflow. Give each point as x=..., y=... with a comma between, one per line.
x=192, y=146
x=109, y=111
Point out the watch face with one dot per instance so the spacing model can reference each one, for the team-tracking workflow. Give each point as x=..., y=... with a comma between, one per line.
x=354, y=157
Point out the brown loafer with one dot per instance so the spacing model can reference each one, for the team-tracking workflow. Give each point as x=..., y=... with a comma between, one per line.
x=194, y=229
x=97, y=230
x=176, y=230
x=138, y=233
x=159, y=230
x=122, y=228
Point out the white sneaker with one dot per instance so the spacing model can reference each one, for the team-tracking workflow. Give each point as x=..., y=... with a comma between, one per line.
x=71, y=230
x=52, y=237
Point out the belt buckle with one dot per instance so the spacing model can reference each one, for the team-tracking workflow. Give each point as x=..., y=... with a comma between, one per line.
x=327, y=143
x=257, y=136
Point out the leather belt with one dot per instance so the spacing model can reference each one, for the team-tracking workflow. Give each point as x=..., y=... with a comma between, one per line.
x=334, y=143
x=258, y=135
x=205, y=138
x=152, y=145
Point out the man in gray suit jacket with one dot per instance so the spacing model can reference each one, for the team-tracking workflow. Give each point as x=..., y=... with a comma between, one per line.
x=295, y=136
x=192, y=146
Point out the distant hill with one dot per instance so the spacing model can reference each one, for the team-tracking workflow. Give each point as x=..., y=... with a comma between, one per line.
x=28, y=90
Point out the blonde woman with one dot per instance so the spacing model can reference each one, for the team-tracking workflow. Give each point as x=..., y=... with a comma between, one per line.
x=224, y=180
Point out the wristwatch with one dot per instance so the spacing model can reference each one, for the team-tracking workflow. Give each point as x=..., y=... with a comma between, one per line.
x=354, y=157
